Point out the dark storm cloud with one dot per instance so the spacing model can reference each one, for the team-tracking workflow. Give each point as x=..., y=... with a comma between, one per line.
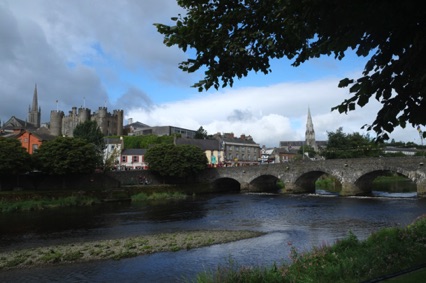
x=65, y=47
x=133, y=99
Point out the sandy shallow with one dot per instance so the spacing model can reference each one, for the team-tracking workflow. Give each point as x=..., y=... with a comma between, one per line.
x=120, y=248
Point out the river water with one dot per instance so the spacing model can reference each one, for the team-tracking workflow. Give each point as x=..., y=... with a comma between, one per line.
x=301, y=221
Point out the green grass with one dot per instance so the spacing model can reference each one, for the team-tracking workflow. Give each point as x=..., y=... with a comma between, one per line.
x=348, y=260
x=158, y=196
x=45, y=203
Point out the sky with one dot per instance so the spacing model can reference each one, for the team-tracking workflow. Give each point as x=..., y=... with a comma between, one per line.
x=97, y=53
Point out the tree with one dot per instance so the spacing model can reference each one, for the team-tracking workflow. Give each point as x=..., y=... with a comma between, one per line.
x=14, y=158
x=232, y=38
x=200, y=134
x=176, y=161
x=90, y=132
x=65, y=155
x=341, y=145
x=146, y=141
x=307, y=149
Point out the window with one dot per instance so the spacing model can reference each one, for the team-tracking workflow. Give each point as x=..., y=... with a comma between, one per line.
x=135, y=158
x=124, y=159
x=35, y=147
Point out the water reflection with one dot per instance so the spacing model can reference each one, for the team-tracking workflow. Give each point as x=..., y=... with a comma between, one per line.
x=302, y=221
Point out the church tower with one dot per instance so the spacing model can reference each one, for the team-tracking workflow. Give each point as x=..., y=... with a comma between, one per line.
x=310, y=133
x=34, y=112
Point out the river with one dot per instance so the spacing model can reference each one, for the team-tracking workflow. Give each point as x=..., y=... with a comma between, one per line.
x=301, y=221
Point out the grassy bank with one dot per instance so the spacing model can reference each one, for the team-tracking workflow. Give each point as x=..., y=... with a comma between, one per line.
x=37, y=201
x=158, y=196
x=349, y=260
x=119, y=248
x=7, y=206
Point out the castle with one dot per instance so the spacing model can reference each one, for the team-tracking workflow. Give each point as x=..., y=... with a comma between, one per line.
x=64, y=125
x=109, y=124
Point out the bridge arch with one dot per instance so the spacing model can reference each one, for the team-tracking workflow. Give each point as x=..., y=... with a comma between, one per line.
x=365, y=182
x=264, y=183
x=306, y=182
x=226, y=184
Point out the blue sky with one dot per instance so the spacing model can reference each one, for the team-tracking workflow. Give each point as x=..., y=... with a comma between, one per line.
x=107, y=52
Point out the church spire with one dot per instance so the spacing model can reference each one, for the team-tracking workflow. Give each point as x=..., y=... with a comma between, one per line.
x=34, y=112
x=34, y=106
x=310, y=133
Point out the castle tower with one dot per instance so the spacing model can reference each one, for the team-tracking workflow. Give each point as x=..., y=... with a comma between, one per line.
x=120, y=119
x=56, y=122
x=310, y=133
x=34, y=112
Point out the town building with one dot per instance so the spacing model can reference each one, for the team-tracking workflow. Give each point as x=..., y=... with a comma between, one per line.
x=133, y=159
x=112, y=151
x=133, y=127
x=240, y=151
x=211, y=147
x=165, y=131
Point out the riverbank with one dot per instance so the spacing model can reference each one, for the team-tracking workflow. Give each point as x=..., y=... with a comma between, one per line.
x=119, y=248
x=33, y=201
x=385, y=252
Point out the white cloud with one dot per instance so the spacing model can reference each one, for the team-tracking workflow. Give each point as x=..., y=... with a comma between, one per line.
x=108, y=51
x=269, y=114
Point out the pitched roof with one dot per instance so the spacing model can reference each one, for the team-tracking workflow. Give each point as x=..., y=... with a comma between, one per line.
x=43, y=134
x=137, y=125
x=134, y=151
x=16, y=123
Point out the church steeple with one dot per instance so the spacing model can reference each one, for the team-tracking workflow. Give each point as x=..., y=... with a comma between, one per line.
x=310, y=133
x=35, y=100
x=34, y=112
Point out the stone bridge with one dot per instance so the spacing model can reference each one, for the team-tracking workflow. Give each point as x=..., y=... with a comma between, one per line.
x=355, y=175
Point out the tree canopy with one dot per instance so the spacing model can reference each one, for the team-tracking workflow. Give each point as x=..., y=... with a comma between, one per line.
x=307, y=150
x=341, y=145
x=201, y=133
x=65, y=155
x=14, y=158
x=146, y=141
x=232, y=38
x=90, y=132
x=176, y=161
